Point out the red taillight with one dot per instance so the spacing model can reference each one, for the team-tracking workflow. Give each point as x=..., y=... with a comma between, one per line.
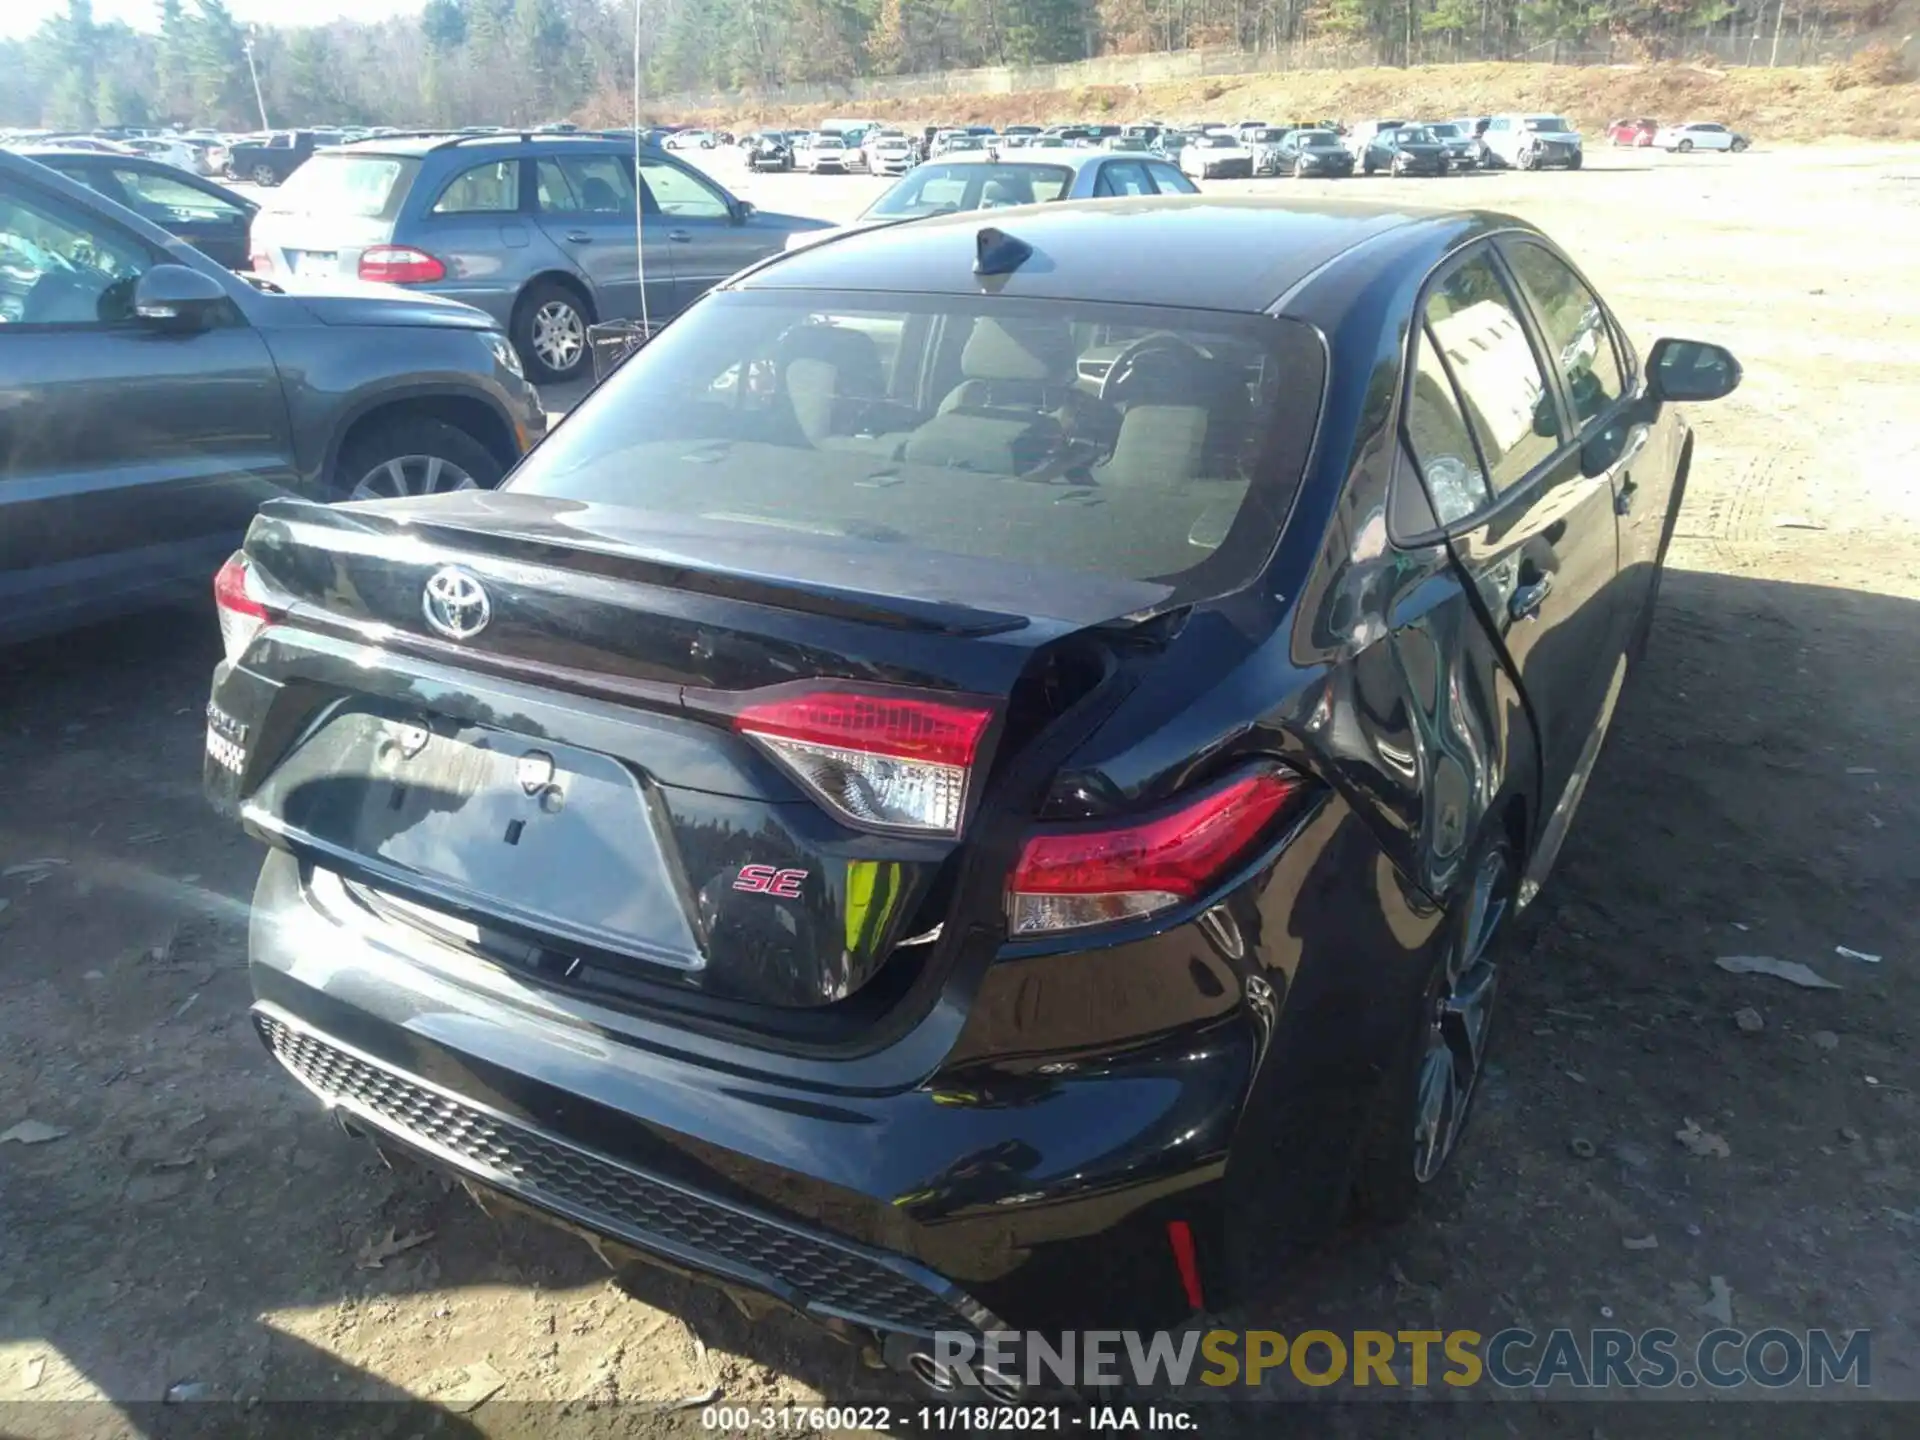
x=242, y=610
x=1066, y=879
x=399, y=265
x=892, y=761
x=260, y=263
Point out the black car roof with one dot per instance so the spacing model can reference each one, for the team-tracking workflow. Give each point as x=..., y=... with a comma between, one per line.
x=1195, y=252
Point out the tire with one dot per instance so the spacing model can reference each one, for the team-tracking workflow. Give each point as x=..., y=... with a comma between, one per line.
x=264, y=176
x=1684, y=146
x=540, y=324
x=1366, y=167
x=1394, y=1169
x=1575, y=160
x=1299, y=169
x=1526, y=160
x=397, y=457
x=1738, y=146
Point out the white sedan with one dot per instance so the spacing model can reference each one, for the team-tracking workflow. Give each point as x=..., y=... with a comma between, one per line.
x=1216, y=156
x=1698, y=135
x=176, y=153
x=824, y=152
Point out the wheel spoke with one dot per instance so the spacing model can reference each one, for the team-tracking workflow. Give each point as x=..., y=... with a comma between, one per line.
x=431, y=484
x=1436, y=1112
x=1456, y=1035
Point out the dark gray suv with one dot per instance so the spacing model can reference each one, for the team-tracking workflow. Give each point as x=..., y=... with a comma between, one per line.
x=151, y=399
x=537, y=230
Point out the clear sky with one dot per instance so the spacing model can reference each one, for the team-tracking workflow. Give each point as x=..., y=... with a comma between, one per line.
x=23, y=17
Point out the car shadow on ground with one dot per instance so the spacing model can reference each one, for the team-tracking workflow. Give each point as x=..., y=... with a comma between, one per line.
x=201, y=1222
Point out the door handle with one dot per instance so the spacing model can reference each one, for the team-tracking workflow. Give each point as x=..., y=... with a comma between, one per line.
x=579, y=237
x=680, y=237
x=1623, y=497
x=1525, y=603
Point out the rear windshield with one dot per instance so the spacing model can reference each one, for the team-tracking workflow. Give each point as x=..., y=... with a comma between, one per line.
x=1317, y=139
x=364, y=186
x=1549, y=124
x=1121, y=441
x=938, y=189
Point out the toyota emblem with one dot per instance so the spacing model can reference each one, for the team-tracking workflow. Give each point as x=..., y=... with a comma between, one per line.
x=455, y=604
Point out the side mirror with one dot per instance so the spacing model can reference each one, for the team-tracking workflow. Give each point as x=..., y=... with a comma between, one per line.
x=177, y=298
x=743, y=211
x=1691, y=370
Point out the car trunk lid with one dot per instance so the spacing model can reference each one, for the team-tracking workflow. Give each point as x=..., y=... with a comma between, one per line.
x=674, y=755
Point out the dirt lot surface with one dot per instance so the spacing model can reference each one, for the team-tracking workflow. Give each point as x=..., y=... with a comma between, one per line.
x=1863, y=100
x=198, y=1222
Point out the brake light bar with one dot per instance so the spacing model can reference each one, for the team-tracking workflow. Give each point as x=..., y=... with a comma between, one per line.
x=241, y=605
x=1072, y=878
x=399, y=265
x=887, y=761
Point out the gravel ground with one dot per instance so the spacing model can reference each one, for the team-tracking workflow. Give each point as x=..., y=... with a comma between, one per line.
x=200, y=1222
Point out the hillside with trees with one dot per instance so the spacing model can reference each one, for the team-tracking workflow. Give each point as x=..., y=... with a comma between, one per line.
x=528, y=61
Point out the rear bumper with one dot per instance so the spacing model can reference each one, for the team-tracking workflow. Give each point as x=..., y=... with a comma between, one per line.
x=1037, y=1200
x=496, y=300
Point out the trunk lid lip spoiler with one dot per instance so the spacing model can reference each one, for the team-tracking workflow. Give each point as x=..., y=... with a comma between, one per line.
x=1084, y=601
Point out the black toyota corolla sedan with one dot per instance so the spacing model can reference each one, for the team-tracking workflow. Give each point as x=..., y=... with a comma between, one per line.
x=977, y=781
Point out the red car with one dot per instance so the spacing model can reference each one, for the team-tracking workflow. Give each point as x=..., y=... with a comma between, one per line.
x=1633, y=132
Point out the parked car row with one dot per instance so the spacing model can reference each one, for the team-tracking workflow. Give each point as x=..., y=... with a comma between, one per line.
x=1693, y=135
x=1251, y=148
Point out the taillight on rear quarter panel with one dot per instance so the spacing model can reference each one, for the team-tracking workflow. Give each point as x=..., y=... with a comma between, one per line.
x=1069, y=879
x=897, y=762
x=242, y=609
x=400, y=265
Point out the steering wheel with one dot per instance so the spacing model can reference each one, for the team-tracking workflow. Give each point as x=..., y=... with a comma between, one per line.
x=1158, y=341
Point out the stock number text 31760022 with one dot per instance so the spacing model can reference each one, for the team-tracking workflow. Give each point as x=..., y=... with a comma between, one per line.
x=934, y=1419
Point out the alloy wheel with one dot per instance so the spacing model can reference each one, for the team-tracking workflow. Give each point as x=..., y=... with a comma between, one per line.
x=559, y=336
x=412, y=475
x=1455, y=1039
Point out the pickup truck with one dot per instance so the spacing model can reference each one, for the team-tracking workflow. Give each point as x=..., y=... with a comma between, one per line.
x=269, y=161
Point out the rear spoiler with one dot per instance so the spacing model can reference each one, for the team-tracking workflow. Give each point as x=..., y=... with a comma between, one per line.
x=727, y=561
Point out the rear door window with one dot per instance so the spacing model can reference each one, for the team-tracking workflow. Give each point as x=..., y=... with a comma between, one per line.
x=1169, y=181
x=1124, y=177
x=1475, y=322
x=153, y=192
x=1122, y=441
x=584, y=184
x=492, y=188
